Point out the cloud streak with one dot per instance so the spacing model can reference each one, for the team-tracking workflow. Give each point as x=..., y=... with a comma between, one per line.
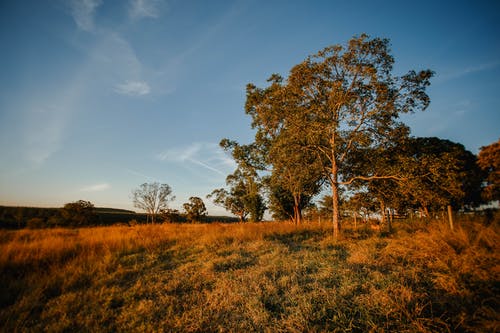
x=133, y=88
x=203, y=154
x=468, y=70
x=83, y=13
x=139, y=9
x=96, y=187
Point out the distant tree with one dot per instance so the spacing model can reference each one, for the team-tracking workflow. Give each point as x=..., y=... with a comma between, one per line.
x=79, y=213
x=362, y=203
x=283, y=204
x=489, y=162
x=243, y=198
x=325, y=206
x=55, y=221
x=19, y=216
x=152, y=198
x=231, y=200
x=195, y=209
x=35, y=223
x=171, y=215
x=339, y=100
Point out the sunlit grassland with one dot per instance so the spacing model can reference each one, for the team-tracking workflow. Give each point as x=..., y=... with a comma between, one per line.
x=251, y=277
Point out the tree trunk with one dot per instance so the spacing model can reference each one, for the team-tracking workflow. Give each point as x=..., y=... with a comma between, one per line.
x=450, y=217
x=391, y=216
x=382, y=211
x=296, y=211
x=335, y=203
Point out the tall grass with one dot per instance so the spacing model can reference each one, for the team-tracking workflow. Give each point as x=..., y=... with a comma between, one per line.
x=251, y=277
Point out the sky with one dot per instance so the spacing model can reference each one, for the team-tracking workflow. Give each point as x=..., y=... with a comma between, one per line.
x=100, y=96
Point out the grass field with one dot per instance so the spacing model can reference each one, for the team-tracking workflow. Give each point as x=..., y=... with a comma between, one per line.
x=251, y=277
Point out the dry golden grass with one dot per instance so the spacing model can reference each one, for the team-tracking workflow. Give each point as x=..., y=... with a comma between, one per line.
x=250, y=277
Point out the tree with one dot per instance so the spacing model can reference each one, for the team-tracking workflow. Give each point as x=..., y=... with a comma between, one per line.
x=489, y=162
x=340, y=100
x=79, y=213
x=284, y=204
x=295, y=171
x=152, y=198
x=195, y=209
x=230, y=200
x=439, y=173
x=171, y=215
x=242, y=199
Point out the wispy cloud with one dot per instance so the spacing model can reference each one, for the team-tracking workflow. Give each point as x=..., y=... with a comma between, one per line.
x=206, y=155
x=133, y=88
x=83, y=13
x=139, y=9
x=468, y=70
x=43, y=132
x=140, y=174
x=96, y=187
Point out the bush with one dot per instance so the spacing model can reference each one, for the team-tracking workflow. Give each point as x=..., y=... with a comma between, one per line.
x=35, y=223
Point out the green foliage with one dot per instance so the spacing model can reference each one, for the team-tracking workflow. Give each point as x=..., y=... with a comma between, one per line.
x=439, y=172
x=195, y=209
x=254, y=203
x=243, y=197
x=332, y=105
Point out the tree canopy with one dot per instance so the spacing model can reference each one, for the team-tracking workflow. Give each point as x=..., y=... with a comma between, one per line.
x=78, y=213
x=334, y=104
x=489, y=162
x=152, y=198
x=195, y=209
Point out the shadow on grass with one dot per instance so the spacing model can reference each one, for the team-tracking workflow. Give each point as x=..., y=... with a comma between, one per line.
x=295, y=241
x=234, y=260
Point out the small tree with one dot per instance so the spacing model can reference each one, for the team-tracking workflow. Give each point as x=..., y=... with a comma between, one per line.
x=195, y=209
x=243, y=197
x=79, y=213
x=152, y=198
x=232, y=201
x=171, y=215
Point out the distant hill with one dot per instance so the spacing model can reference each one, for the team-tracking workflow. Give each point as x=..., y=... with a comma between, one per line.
x=107, y=210
x=38, y=217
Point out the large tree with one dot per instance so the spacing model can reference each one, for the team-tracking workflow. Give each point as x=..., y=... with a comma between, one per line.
x=152, y=198
x=339, y=100
x=295, y=172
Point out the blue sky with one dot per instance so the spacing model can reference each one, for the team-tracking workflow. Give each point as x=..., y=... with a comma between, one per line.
x=98, y=97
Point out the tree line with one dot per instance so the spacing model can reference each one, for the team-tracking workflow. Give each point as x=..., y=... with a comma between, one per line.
x=333, y=125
